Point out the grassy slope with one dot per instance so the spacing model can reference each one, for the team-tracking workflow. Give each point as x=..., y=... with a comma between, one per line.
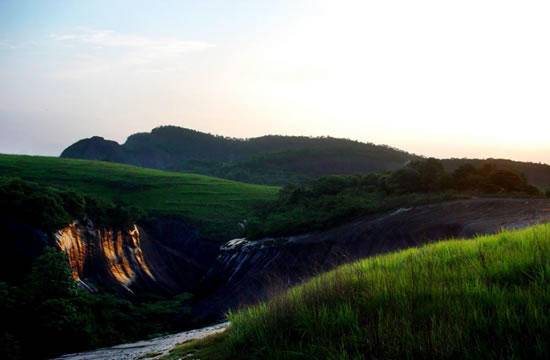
x=482, y=298
x=215, y=205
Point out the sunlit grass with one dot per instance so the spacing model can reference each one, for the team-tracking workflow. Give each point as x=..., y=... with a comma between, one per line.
x=216, y=205
x=487, y=298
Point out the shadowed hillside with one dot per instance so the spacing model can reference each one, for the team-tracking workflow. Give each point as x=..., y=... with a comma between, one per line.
x=268, y=159
x=271, y=159
x=254, y=270
x=485, y=298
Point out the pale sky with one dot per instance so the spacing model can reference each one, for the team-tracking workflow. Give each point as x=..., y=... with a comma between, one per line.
x=440, y=78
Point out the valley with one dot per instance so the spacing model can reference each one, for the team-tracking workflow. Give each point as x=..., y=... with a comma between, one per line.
x=274, y=180
x=183, y=250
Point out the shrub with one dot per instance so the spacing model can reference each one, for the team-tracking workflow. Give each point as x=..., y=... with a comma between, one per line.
x=51, y=209
x=41, y=206
x=330, y=200
x=48, y=315
x=404, y=181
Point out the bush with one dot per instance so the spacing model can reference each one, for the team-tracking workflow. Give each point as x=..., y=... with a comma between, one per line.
x=489, y=179
x=432, y=174
x=48, y=315
x=330, y=200
x=51, y=209
x=41, y=206
x=327, y=202
x=404, y=181
x=106, y=214
x=50, y=277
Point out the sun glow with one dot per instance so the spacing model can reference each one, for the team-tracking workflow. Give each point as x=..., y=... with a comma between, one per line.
x=439, y=78
x=447, y=80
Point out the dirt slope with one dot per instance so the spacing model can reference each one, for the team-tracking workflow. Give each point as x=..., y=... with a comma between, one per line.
x=251, y=271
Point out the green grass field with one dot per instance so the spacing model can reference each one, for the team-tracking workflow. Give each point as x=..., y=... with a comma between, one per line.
x=487, y=298
x=215, y=205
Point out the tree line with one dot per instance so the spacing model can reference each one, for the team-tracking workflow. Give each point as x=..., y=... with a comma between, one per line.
x=330, y=200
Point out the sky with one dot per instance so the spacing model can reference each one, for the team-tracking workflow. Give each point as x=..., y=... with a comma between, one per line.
x=437, y=78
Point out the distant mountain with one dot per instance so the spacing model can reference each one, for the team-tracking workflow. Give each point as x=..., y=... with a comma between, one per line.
x=268, y=159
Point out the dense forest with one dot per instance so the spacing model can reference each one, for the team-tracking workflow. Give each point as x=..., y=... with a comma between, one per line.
x=27, y=207
x=43, y=311
x=268, y=159
x=275, y=160
x=538, y=174
x=330, y=200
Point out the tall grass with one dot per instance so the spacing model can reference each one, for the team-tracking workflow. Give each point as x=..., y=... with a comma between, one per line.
x=215, y=205
x=486, y=298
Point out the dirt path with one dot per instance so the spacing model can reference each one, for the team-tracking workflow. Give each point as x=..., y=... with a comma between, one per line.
x=146, y=348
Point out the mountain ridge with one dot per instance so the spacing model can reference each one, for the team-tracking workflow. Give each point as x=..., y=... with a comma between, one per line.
x=268, y=159
x=259, y=159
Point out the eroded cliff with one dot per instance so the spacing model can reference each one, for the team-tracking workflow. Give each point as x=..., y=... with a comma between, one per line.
x=169, y=256
x=112, y=255
x=250, y=271
x=136, y=258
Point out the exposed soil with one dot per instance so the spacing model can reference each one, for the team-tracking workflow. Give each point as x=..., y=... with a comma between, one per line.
x=246, y=272
x=250, y=271
x=146, y=349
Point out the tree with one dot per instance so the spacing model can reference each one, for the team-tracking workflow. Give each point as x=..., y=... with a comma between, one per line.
x=50, y=277
x=51, y=306
x=507, y=181
x=464, y=177
x=406, y=180
x=431, y=172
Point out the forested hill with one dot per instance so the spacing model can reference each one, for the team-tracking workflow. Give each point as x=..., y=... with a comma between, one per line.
x=271, y=159
x=267, y=159
x=536, y=173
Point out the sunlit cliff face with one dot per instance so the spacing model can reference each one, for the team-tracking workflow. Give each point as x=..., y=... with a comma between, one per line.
x=69, y=241
x=118, y=251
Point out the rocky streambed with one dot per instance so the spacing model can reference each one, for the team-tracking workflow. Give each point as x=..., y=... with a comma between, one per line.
x=146, y=349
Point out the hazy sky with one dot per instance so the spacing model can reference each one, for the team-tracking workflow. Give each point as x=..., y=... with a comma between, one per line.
x=443, y=78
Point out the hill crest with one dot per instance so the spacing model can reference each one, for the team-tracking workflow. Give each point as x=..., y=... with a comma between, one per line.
x=268, y=159
x=274, y=159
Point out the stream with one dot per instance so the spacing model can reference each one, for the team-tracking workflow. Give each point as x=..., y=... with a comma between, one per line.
x=146, y=349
